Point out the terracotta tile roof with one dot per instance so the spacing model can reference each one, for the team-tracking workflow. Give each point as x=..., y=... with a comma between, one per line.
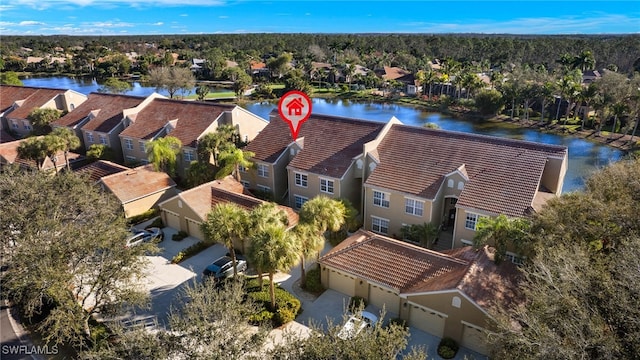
x=199, y=197
x=136, y=183
x=9, y=94
x=100, y=168
x=107, y=109
x=36, y=99
x=411, y=269
x=503, y=174
x=193, y=118
x=330, y=142
x=256, y=65
x=221, y=196
x=393, y=73
x=9, y=151
x=9, y=155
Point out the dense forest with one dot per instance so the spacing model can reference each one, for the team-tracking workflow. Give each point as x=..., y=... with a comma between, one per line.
x=623, y=51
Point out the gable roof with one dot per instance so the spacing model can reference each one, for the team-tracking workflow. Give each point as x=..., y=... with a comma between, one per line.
x=503, y=174
x=100, y=168
x=136, y=183
x=331, y=158
x=9, y=155
x=107, y=109
x=410, y=269
x=393, y=73
x=193, y=118
x=30, y=97
x=221, y=196
x=5, y=137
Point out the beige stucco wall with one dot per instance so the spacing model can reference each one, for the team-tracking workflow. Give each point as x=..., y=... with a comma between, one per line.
x=178, y=206
x=395, y=213
x=139, y=206
x=71, y=100
x=553, y=175
x=313, y=186
x=460, y=232
x=248, y=123
x=136, y=152
x=442, y=302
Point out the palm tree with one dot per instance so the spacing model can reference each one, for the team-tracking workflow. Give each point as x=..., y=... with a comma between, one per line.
x=587, y=95
x=260, y=217
x=53, y=144
x=425, y=233
x=503, y=232
x=163, y=153
x=545, y=93
x=584, y=61
x=618, y=109
x=70, y=140
x=310, y=242
x=33, y=148
x=227, y=224
x=273, y=249
x=211, y=144
x=323, y=213
x=231, y=160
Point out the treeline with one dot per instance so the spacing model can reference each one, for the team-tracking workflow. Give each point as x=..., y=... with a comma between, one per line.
x=623, y=51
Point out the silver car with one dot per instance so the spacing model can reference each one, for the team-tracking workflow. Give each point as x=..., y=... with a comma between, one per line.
x=139, y=236
x=222, y=268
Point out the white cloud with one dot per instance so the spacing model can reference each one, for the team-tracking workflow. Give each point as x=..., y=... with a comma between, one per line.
x=223, y=17
x=108, y=24
x=45, y=4
x=30, y=23
x=159, y=23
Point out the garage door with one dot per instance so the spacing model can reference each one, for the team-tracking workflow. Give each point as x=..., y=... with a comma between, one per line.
x=193, y=229
x=342, y=282
x=474, y=338
x=172, y=219
x=426, y=320
x=380, y=297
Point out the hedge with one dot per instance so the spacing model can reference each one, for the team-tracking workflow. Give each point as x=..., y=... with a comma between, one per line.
x=189, y=252
x=287, y=305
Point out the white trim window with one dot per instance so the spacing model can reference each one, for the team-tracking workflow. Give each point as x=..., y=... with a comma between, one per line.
x=518, y=260
x=141, y=145
x=379, y=225
x=263, y=170
x=242, y=168
x=299, y=201
x=380, y=199
x=264, y=188
x=131, y=159
x=245, y=183
x=326, y=186
x=14, y=124
x=90, y=138
x=301, y=179
x=414, y=207
x=471, y=221
x=128, y=144
x=27, y=125
x=103, y=140
x=189, y=156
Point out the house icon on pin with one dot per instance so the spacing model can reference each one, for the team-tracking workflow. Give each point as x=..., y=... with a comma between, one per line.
x=295, y=107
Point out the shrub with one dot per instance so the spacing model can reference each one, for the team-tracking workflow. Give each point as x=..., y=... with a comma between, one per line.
x=489, y=102
x=261, y=317
x=356, y=303
x=179, y=236
x=399, y=322
x=157, y=223
x=447, y=348
x=312, y=281
x=283, y=316
x=147, y=215
x=287, y=305
x=189, y=252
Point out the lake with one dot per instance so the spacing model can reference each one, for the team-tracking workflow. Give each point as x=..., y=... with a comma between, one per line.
x=585, y=156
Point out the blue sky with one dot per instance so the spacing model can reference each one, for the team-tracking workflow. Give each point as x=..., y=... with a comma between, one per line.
x=134, y=17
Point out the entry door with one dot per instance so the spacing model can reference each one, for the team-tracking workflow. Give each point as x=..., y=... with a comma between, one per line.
x=452, y=217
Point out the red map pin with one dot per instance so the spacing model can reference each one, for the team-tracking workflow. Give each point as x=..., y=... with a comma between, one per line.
x=294, y=108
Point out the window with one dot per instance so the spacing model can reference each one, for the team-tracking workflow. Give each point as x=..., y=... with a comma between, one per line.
x=90, y=138
x=380, y=199
x=128, y=144
x=453, y=201
x=242, y=168
x=27, y=125
x=189, y=156
x=103, y=140
x=471, y=221
x=301, y=179
x=141, y=145
x=514, y=258
x=300, y=200
x=460, y=185
x=326, y=186
x=14, y=124
x=131, y=159
x=264, y=188
x=414, y=207
x=450, y=183
x=245, y=183
x=263, y=170
x=379, y=225
x=456, y=302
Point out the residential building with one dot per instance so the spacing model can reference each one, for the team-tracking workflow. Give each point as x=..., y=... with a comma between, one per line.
x=17, y=102
x=99, y=169
x=9, y=156
x=188, y=121
x=188, y=210
x=411, y=85
x=325, y=159
x=446, y=295
x=453, y=179
x=139, y=189
x=101, y=118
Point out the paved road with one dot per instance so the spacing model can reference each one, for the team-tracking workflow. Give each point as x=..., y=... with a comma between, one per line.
x=15, y=343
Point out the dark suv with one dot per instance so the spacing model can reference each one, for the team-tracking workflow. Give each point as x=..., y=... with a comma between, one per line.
x=223, y=268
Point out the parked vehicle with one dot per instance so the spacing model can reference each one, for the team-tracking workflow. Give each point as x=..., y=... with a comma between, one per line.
x=139, y=236
x=222, y=268
x=356, y=323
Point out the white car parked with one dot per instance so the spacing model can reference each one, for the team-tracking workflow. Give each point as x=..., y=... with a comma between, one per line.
x=356, y=324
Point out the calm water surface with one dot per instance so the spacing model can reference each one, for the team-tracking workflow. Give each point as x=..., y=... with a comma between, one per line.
x=584, y=156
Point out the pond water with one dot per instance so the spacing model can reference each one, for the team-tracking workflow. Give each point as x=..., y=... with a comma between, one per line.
x=585, y=156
